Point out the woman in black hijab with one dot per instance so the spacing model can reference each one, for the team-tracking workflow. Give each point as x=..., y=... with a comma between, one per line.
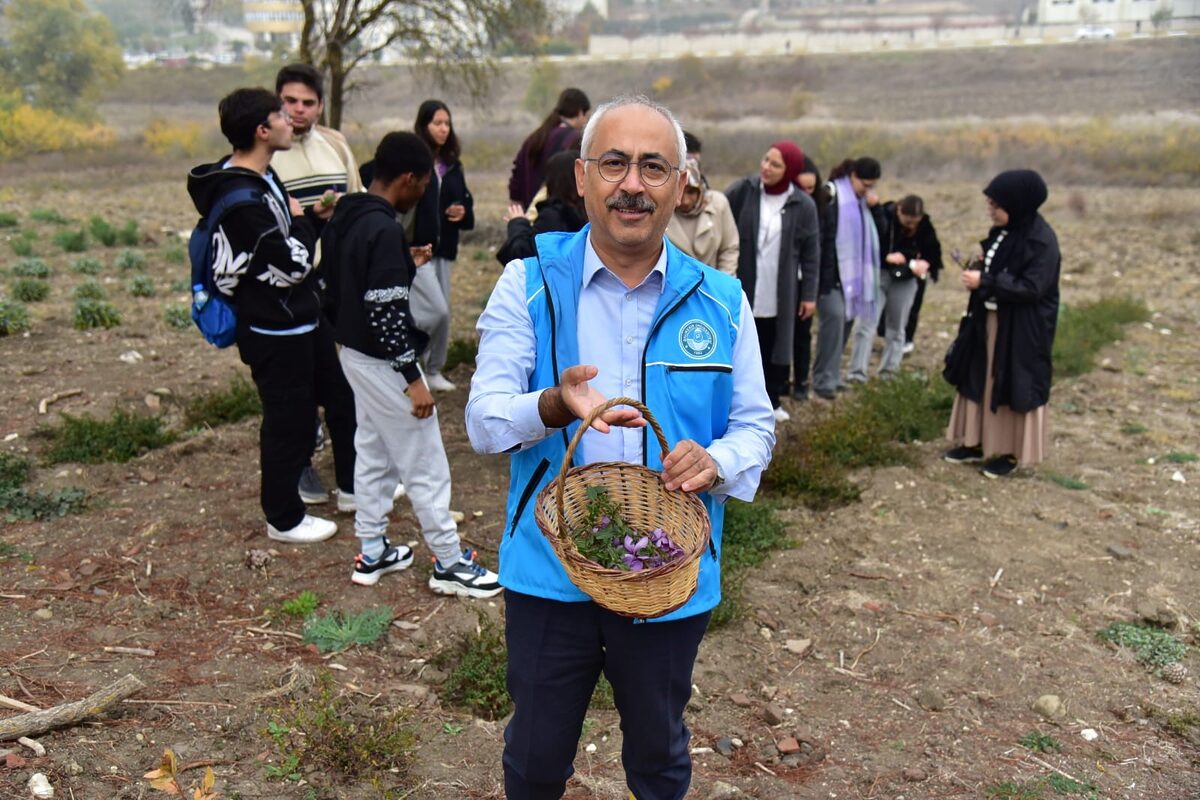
x=1000, y=362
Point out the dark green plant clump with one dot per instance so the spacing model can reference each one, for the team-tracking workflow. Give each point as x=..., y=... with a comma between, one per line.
x=1154, y=647
x=48, y=215
x=128, y=260
x=110, y=236
x=223, y=407
x=9, y=219
x=335, y=631
x=141, y=286
x=89, y=290
x=478, y=672
x=22, y=243
x=177, y=316
x=87, y=440
x=95, y=314
x=31, y=268
x=14, y=317
x=75, y=241
x=1085, y=329
x=18, y=503
x=87, y=265
x=29, y=290
x=301, y=605
x=1040, y=743
x=461, y=351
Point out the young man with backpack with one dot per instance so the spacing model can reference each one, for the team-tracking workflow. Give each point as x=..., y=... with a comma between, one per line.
x=370, y=268
x=260, y=257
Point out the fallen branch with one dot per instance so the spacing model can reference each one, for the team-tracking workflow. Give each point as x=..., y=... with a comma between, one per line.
x=131, y=651
x=266, y=632
x=45, y=403
x=70, y=713
x=866, y=649
x=181, y=703
x=16, y=704
x=1052, y=768
x=36, y=747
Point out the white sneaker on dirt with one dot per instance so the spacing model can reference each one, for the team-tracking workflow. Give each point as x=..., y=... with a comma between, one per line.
x=311, y=529
x=347, y=504
x=437, y=383
x=465, y=578
x=781, y=414
x=909, y=347
x=394, y=559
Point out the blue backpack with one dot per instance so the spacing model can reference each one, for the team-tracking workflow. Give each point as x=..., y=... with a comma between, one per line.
x=210, y=309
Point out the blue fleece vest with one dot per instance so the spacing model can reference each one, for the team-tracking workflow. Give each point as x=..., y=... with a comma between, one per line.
x=687, y=382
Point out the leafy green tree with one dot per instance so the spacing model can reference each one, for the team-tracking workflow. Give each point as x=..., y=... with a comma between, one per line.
x=57, y=53
x=453, y=36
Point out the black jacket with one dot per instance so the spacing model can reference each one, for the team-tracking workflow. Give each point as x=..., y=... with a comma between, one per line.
x=799, y=253
x=369, y=273
x=431, y=225
x=553, y=215
x=831, y=277
x=1023, y=282
x=263, y=256
x=893, y=239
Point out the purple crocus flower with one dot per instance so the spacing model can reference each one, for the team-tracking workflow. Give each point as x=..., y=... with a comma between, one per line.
x=632, y=562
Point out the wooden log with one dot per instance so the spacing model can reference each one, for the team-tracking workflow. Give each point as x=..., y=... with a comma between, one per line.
x=69, y=713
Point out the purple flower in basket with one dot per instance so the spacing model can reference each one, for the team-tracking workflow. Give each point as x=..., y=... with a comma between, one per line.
x=605, y=521
x=632, y=562
x=633, y=547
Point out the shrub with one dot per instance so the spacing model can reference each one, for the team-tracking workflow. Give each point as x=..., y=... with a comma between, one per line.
x=9, y=219
x=301, y=605
x=89, y=290
x=166, y=138
x=104, y=233
x=21, y=504
x=87, y=265
x=87, y=440
x=72, y=241
x=29, y=290
x=1085, y=329
x=95, y=314
x=233, y=404
x=461, y=351
x=130, y=260
x=478, y=675
x=25, y=130
x=127, y=234
x=175, y=253
x=14, y=470
x=31, y=268
x=14, y=318
x=335, y=632
x=22, y=243
x=1154, y=647
x=177, y=316
x=48, y=215
x=141, y=286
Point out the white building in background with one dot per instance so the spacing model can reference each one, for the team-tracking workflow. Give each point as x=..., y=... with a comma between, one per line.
x=1127, y=13
x=274, y=20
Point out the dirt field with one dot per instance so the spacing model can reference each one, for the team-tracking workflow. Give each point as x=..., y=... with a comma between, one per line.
x=939, y=609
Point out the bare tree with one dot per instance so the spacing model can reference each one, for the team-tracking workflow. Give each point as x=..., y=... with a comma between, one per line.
x=451, y=35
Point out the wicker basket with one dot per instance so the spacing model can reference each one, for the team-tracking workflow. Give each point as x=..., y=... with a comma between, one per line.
x=645, y=505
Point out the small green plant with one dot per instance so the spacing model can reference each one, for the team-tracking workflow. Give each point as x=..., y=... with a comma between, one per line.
x=128, y=260
x=1065, y=481
x=1010, y=790
x=14, y=470
x=335, y=632
x=14, y=317
x=1133, y=429
x=48, y=215
x=95, y=314
x=334, y=734
x=141, y=286
x=87, y=440
x=31, y=268
x=301, y=605
x=75, y=241
x=223, y=407
x=29, y=290
x=1177, y=457
x=461, y=351
x=181, y=286
x=22, y=243
x=89, y=290
x=87, y=265
x=9, y=219
x=478, y=671
x=602, y=696
x=175, y=253
x=1061, y=784
x=127, y=234
x=1040, y=743
x=1154, y=647
x=451, y=729
x=177, y=316
x=103, y=232
x=1085, y=329
x=20, y=504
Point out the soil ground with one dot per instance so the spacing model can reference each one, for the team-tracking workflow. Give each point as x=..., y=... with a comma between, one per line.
x=939, y=608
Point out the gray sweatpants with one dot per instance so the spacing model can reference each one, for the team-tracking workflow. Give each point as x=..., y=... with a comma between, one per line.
x=393, y=446
x=429, y=301
x=895, y=301
x=832, y=332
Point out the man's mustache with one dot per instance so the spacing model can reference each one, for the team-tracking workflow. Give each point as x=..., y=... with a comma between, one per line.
x=631, y=202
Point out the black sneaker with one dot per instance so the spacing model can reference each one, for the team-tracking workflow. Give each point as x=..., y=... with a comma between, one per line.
x=465, y=578
x=312, y=491
x=963, y=455
x=999, y=467
x=394, y=559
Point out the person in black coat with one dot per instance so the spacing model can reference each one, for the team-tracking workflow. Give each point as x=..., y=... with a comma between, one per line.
x=914, y=237
x=562, y=210
x=444, y=211
x=1001, y=361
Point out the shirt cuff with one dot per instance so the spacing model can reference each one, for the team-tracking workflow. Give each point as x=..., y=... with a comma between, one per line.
x=526, y=419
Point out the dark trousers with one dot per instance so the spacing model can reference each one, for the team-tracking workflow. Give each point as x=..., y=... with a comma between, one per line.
x=776, y=375
x=910, y=329
x=294, y=375
x=556, y=652
x=801, y=355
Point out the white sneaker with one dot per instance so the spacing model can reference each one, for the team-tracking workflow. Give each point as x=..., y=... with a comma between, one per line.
x=348, y=505
x=909, y=347
x=781, y=415
x=311, y=529
x=438, y=383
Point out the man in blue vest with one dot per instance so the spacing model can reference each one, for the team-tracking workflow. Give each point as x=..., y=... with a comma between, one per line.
x=613, y=310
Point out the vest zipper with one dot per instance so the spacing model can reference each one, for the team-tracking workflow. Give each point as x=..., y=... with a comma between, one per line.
x=527, y=492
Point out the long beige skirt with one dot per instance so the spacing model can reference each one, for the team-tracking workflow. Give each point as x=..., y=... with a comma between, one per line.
x=1004, y=432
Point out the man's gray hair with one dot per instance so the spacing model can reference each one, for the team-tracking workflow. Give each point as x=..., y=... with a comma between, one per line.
x=589, y=132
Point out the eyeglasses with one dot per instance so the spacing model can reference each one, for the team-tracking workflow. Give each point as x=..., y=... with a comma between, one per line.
x=654, y=172
x=284, y=115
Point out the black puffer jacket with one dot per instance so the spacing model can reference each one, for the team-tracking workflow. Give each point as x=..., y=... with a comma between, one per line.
x=553, y=215
x=431, y=225
x=894, y=239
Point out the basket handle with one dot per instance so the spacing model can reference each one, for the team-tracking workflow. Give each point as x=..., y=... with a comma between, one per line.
x=585, y=425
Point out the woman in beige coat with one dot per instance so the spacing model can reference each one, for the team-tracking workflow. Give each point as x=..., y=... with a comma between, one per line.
x=703, y=226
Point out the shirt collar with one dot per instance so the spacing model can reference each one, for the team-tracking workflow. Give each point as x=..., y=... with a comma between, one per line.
x=593, y=265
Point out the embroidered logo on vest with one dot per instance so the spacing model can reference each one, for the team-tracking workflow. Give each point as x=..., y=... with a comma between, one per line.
x=697, y=339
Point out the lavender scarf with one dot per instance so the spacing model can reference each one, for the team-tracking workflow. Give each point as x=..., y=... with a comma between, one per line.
x=857, y=252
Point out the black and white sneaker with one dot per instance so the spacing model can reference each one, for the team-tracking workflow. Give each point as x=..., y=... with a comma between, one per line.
x=465, y=578
x=394, y=559
x=963, y=455
x=312, y=491
x=999, y=467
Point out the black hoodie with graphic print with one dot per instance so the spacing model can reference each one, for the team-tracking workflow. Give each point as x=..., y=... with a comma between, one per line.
x=368, y=272
x=262, y=255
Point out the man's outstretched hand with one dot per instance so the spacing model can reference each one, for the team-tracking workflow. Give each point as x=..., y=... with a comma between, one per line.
x=574, y=398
